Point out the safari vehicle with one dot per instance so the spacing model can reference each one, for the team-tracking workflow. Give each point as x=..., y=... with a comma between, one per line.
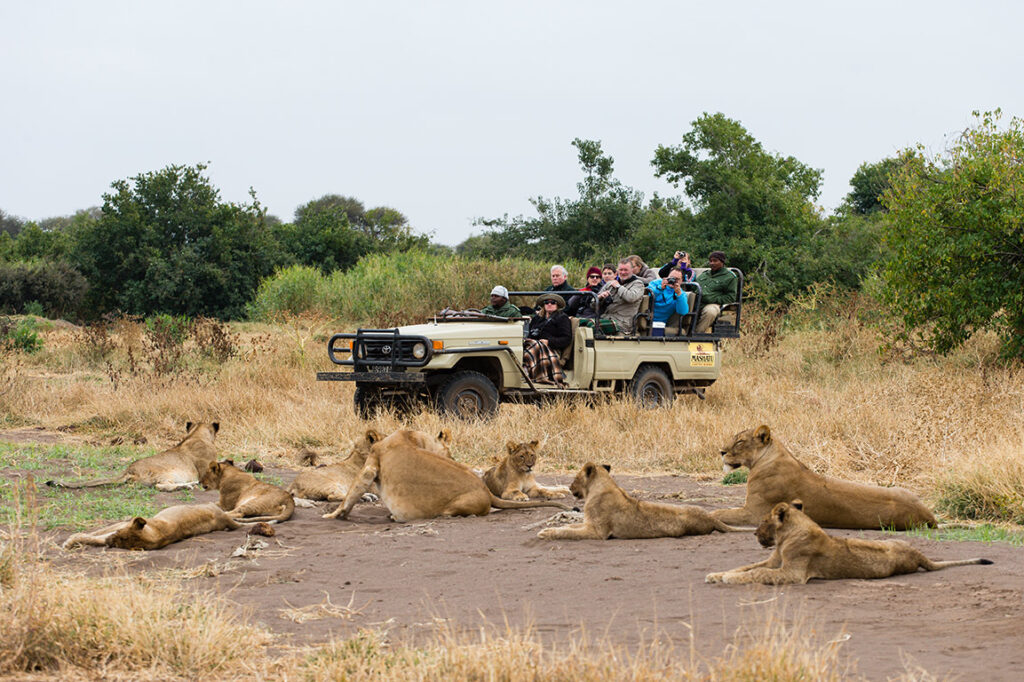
x=466, y=362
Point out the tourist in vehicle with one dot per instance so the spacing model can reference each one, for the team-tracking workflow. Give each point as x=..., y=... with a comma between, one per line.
x=619, y=300
x=549, y=333
x=608, y=272
x=641, y=270
x=670, y=302
x=681, y=259
x=583, y=306
x=559, y=275
x=718, y=287
x=500, y=306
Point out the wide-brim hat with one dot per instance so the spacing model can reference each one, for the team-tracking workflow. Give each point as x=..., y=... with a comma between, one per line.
x=559, y=301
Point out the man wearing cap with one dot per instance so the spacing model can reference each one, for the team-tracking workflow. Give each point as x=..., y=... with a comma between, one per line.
x=500, y=306
x=718, y=287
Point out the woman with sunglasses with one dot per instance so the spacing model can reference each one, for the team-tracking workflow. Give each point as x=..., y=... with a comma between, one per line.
x=583, y=306
x=549, y=333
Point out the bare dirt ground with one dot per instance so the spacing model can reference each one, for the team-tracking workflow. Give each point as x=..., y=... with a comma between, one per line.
x=323, y=578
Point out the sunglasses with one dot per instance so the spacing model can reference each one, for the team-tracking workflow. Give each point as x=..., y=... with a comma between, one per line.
x=550, y=303
x=593, y=276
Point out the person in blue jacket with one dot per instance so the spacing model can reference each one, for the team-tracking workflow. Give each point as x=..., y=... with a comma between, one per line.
x=669, y=297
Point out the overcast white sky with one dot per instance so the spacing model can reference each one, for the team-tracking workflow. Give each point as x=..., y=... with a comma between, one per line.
x=449, y=111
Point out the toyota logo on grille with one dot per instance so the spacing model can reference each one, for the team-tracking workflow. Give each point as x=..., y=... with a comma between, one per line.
x=385, y=349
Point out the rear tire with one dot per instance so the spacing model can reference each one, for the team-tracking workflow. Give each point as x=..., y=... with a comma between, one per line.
x=651, y=388
x=468, y=395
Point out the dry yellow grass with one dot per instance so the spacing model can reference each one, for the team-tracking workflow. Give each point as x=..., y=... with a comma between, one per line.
x=826, y=393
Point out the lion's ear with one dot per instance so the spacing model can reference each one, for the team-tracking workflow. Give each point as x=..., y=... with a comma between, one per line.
x=588, y=469
x=373, y=436
x=511, y=446
x=188, y=426
x=228, y=462
x=216, y=427
x=763, y=434
x=797, y=504
x=138, y=523
x=445, y=436
x=534, y=443
x=214, y=467
x=607, y=467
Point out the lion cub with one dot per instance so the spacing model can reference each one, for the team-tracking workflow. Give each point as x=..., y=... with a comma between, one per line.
x=804, y=551
x=333, y=481
x=169, y=525
x=609, y=512
x=512, y=478
x=244, y=497
x=178, y=467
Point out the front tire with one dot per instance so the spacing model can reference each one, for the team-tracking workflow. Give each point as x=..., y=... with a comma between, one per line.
x=651, y=388
x=468, y=395
x=369, y=399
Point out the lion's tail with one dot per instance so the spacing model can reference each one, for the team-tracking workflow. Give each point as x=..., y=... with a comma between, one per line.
x=499, y=503
x=123, y=478
x=285, y=513
x=723, y=527
x=930, y=565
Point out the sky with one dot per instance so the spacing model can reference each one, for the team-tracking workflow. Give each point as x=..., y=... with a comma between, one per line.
x=454, y=111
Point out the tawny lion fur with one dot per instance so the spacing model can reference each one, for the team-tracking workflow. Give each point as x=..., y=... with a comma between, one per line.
x=415, y=484
x=610, y=512
x=512, y=478
x=804, y=551
x=777, y=476
x=169, y=525
x=332, y=482
x=178, y=467
x=242, y=496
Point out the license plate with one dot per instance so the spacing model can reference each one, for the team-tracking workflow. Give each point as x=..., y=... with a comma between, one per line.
x=380, y=368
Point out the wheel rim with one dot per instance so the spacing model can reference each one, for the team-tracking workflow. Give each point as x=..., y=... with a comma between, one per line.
x=468, y=402
x=650, y=395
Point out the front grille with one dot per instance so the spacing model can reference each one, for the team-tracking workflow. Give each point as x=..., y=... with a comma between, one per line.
x=386, y=349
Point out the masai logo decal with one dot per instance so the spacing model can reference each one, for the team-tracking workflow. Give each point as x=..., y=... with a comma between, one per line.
x=702, y=354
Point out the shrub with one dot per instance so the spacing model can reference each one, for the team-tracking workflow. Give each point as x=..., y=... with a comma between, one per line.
x=20, y=336
x=48, y=287
x=290, y=290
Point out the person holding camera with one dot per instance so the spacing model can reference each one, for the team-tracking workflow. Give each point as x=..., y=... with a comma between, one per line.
x=669, y=299
x=681, y=259
x=549, y=333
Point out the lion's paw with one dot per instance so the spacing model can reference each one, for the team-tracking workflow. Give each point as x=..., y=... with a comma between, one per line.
x=713, y=577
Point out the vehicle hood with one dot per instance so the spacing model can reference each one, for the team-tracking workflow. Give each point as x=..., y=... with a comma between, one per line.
x=467, y=331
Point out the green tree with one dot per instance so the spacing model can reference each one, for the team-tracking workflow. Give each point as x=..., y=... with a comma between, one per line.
x=868, y=184
x=166, y=243
x=10, y=224
x=323, y=237
x=754, y=205
x=955, y=232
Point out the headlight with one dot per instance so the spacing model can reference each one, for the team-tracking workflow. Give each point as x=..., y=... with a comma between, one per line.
x=419, y=350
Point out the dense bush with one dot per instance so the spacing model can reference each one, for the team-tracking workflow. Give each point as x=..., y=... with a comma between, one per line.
x=20, y=335
x=294, y=290
x=54, y=285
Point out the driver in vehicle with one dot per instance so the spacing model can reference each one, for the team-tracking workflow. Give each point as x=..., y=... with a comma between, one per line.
x=500, y=306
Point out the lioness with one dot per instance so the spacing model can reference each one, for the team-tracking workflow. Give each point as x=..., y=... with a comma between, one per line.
x=610, y=512
x=332, y=482
x=512, y=478
x=416, y=483
x=171, y=469
x=169, y=525
x=804, y=551
x=244, y=497
x=776, y=476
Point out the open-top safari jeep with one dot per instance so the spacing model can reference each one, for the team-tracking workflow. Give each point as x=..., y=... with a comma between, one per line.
x=467, y=363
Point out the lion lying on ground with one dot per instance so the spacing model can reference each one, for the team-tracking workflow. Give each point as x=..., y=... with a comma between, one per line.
x=171, y=469
x=169, y=525
x=777, y=476
x=512, y=478
x=244, y=497
x=609, y=512
x=416, y=483
x=804, y=551
x=332, y=482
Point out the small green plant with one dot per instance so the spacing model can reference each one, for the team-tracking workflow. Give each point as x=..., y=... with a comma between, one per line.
x=34, y=308
x=735, y=477
x=20, y=336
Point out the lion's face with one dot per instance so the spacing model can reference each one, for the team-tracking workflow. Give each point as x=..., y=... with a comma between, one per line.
x=128, y=537
x=210, y=479
x=586, y=477
x=745, y=448
x=522, y=456
x=775, y=522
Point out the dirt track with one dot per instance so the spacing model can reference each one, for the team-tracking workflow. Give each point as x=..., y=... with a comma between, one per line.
x=962, y=621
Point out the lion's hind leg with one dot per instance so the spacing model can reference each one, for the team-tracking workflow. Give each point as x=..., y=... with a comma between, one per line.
x=535, y=490
x=762, y=575
x=95, y=539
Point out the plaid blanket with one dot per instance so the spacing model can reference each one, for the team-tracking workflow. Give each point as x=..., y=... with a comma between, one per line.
x=541, y=363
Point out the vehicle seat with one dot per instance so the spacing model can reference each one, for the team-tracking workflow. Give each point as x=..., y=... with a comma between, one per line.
x=566, y=355
x=644, y=314
x=685, y=322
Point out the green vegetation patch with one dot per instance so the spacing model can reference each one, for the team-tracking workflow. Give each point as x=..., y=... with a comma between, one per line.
x=985, y=532
x=735, y=477
x=982, y=500
x=81, y=508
